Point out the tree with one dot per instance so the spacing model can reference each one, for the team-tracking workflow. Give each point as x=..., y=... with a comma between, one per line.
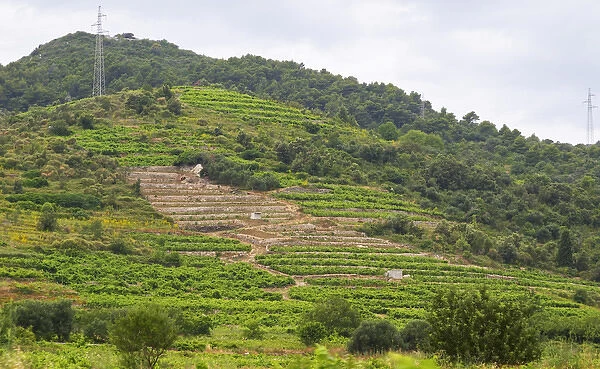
x=388, y=131
x=474, y=327
x=471, y=118
x=47, y=319
x=415, y=336
x=336, y=315
x=143, y=335
x=48, y=219
x=564, y=254
x=374, y=337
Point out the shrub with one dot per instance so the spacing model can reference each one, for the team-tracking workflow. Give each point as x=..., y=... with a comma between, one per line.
x=35, y=182
x=48, y=218
x=415, y=336
x=96, y=331
x=374, y=337
x=120, y=247
x=195, y=324
x=86, y=121
x=72, y=244
x=473, y=327
x=396, y=224
x=336, y=315
x=253, y=330
x=311, y=333
x=59, y=129
x=46, y=319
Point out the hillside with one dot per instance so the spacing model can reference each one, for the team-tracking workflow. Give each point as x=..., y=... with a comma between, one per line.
x=339, y=207
x=99, y=205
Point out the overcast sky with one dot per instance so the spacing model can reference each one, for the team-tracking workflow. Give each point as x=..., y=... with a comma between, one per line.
x=526, y=63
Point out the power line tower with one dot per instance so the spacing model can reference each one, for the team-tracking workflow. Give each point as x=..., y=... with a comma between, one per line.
x=590, y=120
x=422, y=106
x=99, y=87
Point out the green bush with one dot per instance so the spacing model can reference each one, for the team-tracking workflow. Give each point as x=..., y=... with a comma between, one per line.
x=48, y=219
x=35, y=182
x=72, y=244
x=474, y=327
x=120, y=247
x=415, y=336
x=374, y=337
x=97, y=331
x=47, y=319
x=336, y=315
x=311, y=333
x=194, y=324
x=253, y=330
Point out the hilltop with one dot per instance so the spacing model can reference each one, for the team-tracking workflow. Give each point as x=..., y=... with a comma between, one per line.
x=60, y=71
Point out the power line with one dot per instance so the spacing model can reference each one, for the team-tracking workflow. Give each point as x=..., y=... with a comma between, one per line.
x=99, y=87
x=590, y=120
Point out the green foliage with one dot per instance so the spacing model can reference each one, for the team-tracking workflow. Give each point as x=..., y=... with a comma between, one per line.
x=415, y=336
x=374, y=337
x=312, y=332
x=59, y=129
x=7, y=325
x=48, y=221
x=120, y=246
x=143, y=335
x=388, y=131
x=578, y=329
x=194, y=324
x=141, y=103
x=336, y=315
x=582, y=296
x=253, y=330
x=35, y=183
x=86, y=121
x=491, y=329
x=564, y=255
x=47, y=319
x=395, y=224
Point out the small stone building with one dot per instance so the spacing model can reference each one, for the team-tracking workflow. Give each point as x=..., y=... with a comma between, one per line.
x=394, y=274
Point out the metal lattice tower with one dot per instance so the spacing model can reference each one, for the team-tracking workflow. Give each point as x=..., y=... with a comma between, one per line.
x=99, y=87
x=590, y=120
x=422, y=106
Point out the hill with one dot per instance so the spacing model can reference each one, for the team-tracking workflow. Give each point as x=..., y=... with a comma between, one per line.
x=344, y=206
x=100, y=206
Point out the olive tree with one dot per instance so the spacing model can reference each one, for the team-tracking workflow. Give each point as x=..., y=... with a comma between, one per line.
x=143, y=335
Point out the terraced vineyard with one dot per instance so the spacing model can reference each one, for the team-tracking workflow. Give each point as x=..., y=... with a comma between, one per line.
x=194, y=203
x=246, y=108
x=353, y=204
x=325, y=256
